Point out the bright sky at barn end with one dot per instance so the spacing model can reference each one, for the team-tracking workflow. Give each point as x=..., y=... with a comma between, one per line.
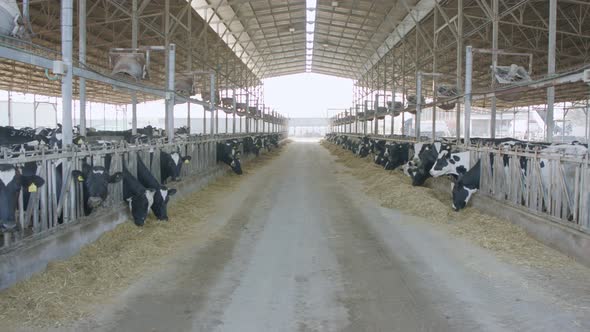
x=307, y=95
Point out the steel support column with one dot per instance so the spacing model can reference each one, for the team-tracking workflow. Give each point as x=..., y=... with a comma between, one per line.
x=9, y=106
x=212, y=102
x=234, y=106
x=67, y=13
x=434, y=91
x=459, y=70
x=82, y=60
x=167, y=45
x=418, y=104
x=468, y=76
x=171, y=95
x=495, y=23
x=549, y=124
x=134, y=33
x=247, y=112
x=189, y=31
x=393, y=98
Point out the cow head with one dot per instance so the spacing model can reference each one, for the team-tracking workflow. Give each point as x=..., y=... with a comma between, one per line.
x=95, y=180
x=55, y=137
x=427, y=157
x=140, y=205
x=441, y=164
x=233, y=157
x=236, y=166
x=461, y=195
x=171, y=165
x=161, y=199
x=397, y=155
x=11, y=181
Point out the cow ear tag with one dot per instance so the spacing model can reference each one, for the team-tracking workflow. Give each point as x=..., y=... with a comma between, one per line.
x=187, y=161
x=80, y=178
x=32, y=188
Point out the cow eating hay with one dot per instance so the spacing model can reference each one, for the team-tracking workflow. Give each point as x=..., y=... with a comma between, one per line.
x=394, y=190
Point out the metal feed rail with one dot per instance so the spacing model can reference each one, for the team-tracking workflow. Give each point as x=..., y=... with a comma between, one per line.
x=558, y=191
x=48, y=212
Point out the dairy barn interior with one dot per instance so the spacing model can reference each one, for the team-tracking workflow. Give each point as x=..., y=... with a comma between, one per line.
x=447, y=190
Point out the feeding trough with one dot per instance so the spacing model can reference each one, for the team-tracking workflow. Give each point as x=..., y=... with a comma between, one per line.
x=11, y=22
x=447, y=91
x=133, y=65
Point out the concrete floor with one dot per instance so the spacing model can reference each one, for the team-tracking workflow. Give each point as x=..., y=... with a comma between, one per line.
x=299, y=247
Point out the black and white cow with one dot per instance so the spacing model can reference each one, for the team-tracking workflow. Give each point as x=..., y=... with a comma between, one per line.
x=10, y=136
x=11, y=182
x=250, y=146
x=95, y=181
x=396, y=155
x=451, y=163
x=144, y=135
x=363, y=148
x=162, y=193
x=139, y=198
x=465, y=186
x=427, y=156
x=171, y=164
x=411, y=166
x=228, y=153
x=377, y=148
x=55, y=137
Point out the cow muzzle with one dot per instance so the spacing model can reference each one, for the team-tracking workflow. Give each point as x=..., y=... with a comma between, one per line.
x=7, y=227
x=94, y=202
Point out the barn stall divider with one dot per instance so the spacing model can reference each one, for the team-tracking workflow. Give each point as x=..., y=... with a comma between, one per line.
x=565, y=198
x=58, y=203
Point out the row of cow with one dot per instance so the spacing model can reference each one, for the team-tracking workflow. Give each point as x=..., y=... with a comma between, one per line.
x=143, y=192
x=421, y=161
x=29, y=138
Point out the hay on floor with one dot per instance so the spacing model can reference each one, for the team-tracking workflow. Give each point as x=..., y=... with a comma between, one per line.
x=394, y=190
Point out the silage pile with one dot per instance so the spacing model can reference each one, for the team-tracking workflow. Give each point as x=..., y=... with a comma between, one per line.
x=394, y=190
x=67, y=289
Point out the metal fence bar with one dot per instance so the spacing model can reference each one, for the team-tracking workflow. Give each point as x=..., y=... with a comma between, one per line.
x=47, y=210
